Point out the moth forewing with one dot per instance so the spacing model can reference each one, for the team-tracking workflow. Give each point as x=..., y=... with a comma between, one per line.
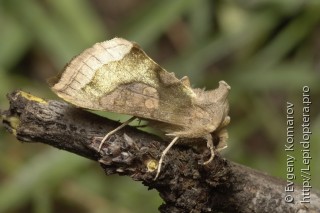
x=131, y=84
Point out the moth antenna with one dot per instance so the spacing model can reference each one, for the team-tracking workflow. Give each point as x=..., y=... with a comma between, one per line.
x=163, y=154
x=115, y=130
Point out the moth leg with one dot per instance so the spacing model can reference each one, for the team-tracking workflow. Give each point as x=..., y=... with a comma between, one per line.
x=210, y=146
x=114, y=131
x=223, y=137
x=163, y=154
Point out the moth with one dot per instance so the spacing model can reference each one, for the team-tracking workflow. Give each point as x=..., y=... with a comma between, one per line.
x=118, y=76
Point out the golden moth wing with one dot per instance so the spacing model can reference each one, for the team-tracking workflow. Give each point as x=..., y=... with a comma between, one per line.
x=117, y=76
x=143, y=101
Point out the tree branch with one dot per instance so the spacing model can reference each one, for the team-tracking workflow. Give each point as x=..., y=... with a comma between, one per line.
x=184, y=184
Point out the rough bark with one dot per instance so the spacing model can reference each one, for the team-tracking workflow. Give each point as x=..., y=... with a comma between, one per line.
x=184, y=184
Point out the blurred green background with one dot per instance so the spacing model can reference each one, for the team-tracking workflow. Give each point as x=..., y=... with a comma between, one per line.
x=267, y=50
